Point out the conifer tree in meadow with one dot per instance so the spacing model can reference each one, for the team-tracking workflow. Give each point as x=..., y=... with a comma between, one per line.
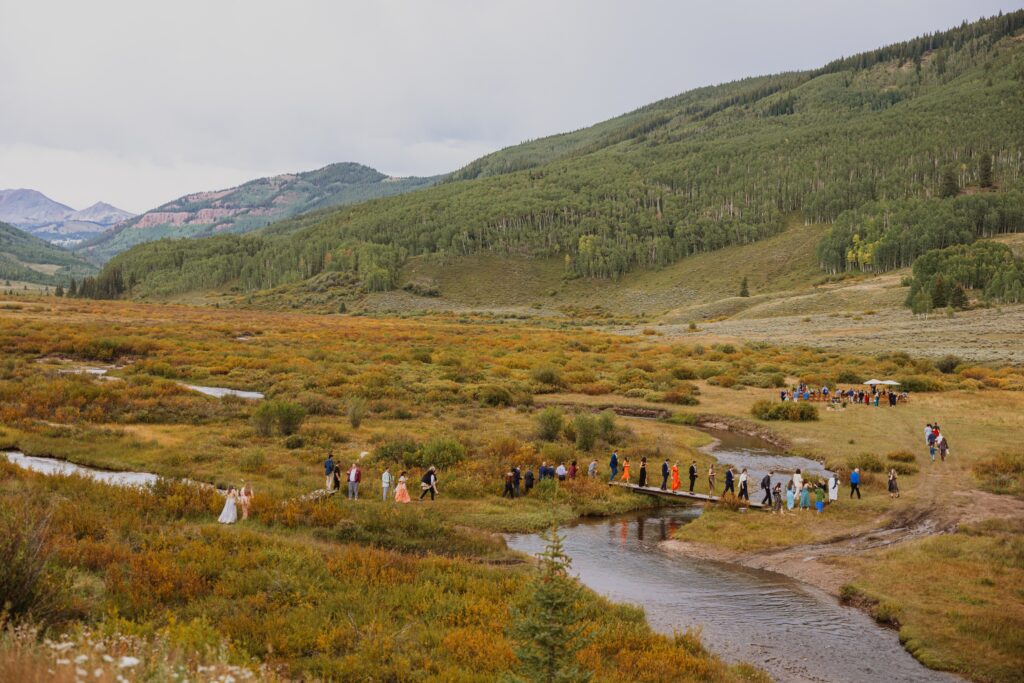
x=549, y=629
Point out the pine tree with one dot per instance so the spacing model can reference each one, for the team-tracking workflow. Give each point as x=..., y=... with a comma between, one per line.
x=939, y=298
x=949, y=187
x=743, y=287
x=73, y=288
x=550, y=628
x=985, y=170
x=958, y=298
x=59, y=291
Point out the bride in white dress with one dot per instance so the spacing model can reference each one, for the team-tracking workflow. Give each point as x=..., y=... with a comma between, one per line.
x=229, y=515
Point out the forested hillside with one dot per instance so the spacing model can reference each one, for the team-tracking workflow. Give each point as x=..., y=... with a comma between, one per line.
x=914, y=122
x=30, y=259
x=252, y=205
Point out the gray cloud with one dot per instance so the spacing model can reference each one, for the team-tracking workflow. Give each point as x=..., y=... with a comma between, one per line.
x=136, y=103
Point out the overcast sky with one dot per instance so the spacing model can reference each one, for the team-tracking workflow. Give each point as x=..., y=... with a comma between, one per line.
x=136, y=103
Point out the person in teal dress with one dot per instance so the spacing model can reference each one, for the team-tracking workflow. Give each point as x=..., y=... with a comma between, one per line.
x=805, y=497
x=790, y=495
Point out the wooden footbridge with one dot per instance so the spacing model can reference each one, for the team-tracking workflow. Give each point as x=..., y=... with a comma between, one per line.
x=668, y=493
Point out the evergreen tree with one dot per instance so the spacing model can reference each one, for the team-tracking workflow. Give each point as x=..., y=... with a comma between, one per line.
x=743, y=287
x=73, y=288
x=949, y=186
x=939, y=298
x=550, y=628
x=59, y=291
x=985, y=170
x=958, y=298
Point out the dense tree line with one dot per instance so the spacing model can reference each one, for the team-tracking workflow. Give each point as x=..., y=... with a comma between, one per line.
x=941, y=276
x=881, y=236
x=710, y=168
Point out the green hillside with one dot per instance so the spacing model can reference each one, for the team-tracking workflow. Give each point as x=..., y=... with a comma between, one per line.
x=713, y=167
x=30, y=259
x=251, y=206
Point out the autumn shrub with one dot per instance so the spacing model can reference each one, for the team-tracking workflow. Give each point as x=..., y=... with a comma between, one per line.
x=356, y=411
x=252, y=462
x=549, y=423
x=683, y=372
x=31, y=583
x=294, y=441
x=901, y=456
x=606, y=426
x=546, y=374
x=904, y=468
x=947, y=364
x=439, y=451
x=866, y=462
x=793, y=411
x=281, y=416
x=395, y=449
x=1002, y=473
x=494, y=395
x=919, y=383
x=586, y=430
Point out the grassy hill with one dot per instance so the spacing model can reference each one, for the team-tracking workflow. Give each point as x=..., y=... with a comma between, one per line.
x=251, y=206
x=30, y=259
x=712, y=168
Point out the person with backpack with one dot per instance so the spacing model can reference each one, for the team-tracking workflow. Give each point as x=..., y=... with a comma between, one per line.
x=766, y=486
x=855, y=482
x=329, y=471
x=429, y=483
x=943, y=445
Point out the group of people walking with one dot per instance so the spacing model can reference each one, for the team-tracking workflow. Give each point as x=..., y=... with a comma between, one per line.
x=936, y=441
x=877, y=396
x=398, y=488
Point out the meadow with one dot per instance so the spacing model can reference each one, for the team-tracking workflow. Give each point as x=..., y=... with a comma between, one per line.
x=331, y=589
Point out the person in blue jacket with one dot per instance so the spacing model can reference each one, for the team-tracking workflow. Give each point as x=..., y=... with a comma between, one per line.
x=329, y=471
x=855, y=482
x=613, y=464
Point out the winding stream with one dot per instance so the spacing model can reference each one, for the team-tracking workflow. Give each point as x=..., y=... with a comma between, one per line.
x=63, y=467
x=795, y=632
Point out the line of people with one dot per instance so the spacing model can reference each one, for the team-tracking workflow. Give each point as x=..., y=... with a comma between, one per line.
x=390, y=485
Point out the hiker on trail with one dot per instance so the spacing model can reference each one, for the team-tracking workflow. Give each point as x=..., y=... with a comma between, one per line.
x=592, y=469
x=516, y=478
x=509, y=490
x=355, y=475
x=665, y=471
x=711, y=479
x=625, y=470
x=329, y=471
x=790, y=495
x=528, y=480
x=429, y=483
x=855, y=482
x=643, y=473
x=833, y=488
x=894, y=487
x=928, y=434
x=386, y=482
x=777, y=499
x=744, y=492
x=560, y=471
x=930, y=438
x=402, y=490
x=675, y=477
x=730, y=482
x=613, y=465
x=573, y=470
x=766, y=485
x=819, y=498
x=693, y=474
x=943, y=445
x=805, y=497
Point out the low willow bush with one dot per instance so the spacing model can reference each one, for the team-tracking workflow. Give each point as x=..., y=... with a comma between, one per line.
x=787, y=410
x=1003, y=473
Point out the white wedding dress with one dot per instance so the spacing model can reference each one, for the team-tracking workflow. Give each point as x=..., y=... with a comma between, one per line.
x=229, y=515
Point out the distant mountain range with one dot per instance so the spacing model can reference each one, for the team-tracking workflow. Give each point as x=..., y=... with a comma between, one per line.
x=52, y=221
x=26, y=258
x=250, y=206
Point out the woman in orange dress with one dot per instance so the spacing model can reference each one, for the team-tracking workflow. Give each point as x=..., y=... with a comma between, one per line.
x=675, y=477
x=402, y=491
x=625, y=470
